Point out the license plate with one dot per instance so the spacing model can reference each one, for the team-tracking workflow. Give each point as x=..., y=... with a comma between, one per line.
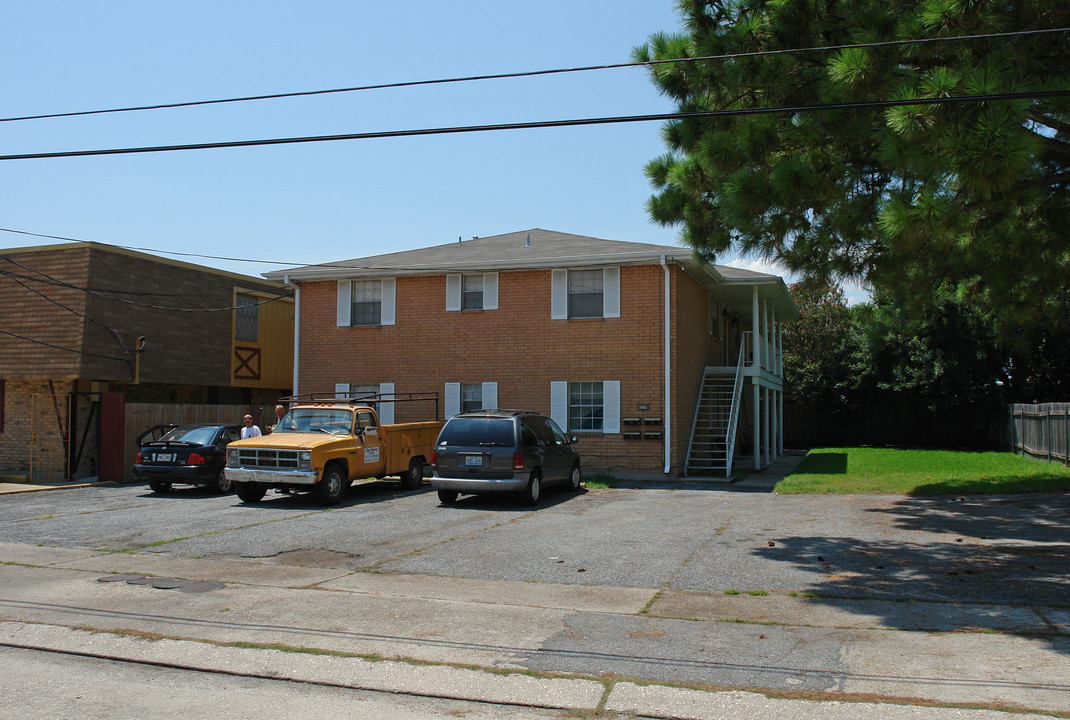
x=473, y=460
x=165, y=457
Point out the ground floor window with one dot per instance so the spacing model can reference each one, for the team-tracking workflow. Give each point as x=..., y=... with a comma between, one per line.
x=586, y=406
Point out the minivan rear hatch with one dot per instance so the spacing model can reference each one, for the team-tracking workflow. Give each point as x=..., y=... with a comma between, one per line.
x=480, y=447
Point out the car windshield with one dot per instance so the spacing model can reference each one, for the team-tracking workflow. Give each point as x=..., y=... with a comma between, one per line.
x=193, y=434
x=336, y=421
x=477, y=431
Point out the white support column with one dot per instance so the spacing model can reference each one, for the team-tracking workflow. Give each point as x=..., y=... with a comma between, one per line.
x=757, y=424
x=780, y=432
x=774, y=446
x=765, y=335
x=765, y=425
x=756, y=356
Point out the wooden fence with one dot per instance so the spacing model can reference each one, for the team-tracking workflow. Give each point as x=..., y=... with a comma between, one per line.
x=1041, y=431
x=141, y=416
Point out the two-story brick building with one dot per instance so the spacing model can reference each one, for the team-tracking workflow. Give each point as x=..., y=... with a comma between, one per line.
x=617, y=341
x=86, y=329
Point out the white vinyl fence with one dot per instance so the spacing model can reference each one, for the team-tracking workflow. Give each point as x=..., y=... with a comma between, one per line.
x=1041, y=431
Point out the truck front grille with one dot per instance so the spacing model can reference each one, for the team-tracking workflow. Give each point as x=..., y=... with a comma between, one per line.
x=268, y=459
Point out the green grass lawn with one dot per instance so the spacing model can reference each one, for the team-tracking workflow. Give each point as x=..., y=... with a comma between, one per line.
x=922, y=472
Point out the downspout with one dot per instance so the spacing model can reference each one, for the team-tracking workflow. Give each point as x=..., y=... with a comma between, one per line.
x=297, y=330
x=668, y=378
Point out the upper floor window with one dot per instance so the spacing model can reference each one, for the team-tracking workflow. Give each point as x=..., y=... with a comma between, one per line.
x=367, y=299
x=585, y=293
x=247, y=318
x=472, y=292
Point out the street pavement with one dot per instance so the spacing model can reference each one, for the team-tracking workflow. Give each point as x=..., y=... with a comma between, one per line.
x=647, y=649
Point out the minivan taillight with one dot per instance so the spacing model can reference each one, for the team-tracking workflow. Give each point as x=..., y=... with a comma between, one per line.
x=518, y=461
x=138, y=459
x=434, y=459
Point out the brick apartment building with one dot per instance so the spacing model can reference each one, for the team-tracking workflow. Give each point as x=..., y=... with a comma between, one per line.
x=71, y=321
x=642, y=351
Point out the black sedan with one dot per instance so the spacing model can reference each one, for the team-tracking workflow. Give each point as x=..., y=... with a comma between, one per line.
x=188, y=454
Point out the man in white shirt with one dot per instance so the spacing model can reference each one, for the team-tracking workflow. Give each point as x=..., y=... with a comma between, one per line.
x=249, y=430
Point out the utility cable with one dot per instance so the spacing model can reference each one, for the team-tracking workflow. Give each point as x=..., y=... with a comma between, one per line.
x=536, y=73
x=104, y=294
x=60, y=347
x=735, y=112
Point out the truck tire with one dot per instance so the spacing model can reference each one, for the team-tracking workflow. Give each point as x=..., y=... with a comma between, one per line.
x=414, y=477
x=250, y=492
x=333, y=485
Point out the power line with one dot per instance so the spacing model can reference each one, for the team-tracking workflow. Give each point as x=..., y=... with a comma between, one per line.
x=104, y=294
x=737, y=112
x=60, y=347
x=533, y=73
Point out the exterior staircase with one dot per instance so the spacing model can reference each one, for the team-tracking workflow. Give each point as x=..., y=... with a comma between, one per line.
x=708, y=453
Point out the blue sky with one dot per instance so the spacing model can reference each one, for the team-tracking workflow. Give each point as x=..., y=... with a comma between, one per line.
x=319, y=202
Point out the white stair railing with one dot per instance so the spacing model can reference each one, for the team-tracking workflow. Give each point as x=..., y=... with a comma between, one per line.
x=737, y=398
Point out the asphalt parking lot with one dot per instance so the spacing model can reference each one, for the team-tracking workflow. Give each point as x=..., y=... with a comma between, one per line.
x=702, y=537
x=958, y=600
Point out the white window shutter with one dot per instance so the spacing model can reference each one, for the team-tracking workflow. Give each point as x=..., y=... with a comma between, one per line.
x=453, y=292
x=611, y=292
x=452, y=397
x=388, y=301
x=490, y=395
x=345, y=301
x=490, y=291
x=386, y=409
x=559, y=404
x=559, y=294
x=341, y=390
x=611, y=406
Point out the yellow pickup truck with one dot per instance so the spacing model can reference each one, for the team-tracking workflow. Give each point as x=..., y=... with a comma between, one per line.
x=323, y=445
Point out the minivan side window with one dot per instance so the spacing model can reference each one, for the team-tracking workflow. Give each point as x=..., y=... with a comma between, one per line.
x=527, y=436
x=559, y=437
x=539, y=424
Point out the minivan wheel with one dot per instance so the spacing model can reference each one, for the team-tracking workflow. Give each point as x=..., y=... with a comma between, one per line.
x=533, y=490
x=575, y=478
x=160, y=487
x=447, y=497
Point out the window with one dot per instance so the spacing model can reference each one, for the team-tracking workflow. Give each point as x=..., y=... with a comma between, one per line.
x=367, y=299
x=246, y=317
x=585, y=293
x=586, y=406
x=472, y=292
x=471, y=396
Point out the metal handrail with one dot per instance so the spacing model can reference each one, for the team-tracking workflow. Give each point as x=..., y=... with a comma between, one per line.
x=694, y=421
x=737, y=396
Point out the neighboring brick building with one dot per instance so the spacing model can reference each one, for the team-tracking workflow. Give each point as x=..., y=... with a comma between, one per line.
x=70, y=324
x=612, y=339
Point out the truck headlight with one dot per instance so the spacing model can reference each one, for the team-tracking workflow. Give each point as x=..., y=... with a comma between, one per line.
x=232, y=458
x=305, y=458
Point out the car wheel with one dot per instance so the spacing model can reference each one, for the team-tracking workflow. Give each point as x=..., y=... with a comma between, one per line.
x=333, y=484
x=222, y=484
x=415, y=475
x=575, y=478
x=533, y=490
x=447, y=497
x=160, y=487
x=250, y=492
